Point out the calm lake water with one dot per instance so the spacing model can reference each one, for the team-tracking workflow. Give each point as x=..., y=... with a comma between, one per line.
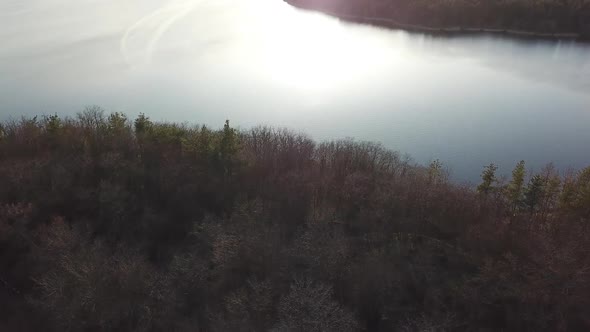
x=467, y=101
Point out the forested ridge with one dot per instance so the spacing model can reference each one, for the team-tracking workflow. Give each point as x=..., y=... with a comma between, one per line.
x=519, y=17
x=113, y=224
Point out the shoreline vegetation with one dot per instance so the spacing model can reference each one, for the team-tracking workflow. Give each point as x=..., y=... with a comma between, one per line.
x=116, y=224
x=550, y=19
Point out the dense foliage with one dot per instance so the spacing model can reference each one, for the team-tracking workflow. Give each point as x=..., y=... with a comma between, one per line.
x=109, y=224
x=542, y=16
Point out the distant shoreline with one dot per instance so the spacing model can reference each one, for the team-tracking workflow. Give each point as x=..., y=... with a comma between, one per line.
x=456, y=30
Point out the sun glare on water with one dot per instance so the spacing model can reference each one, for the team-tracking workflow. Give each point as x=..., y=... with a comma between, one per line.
x=314, y=52
x=268, y=39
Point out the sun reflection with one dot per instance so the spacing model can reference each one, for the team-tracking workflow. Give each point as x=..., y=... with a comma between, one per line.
x=315, y=52
x=267, y=39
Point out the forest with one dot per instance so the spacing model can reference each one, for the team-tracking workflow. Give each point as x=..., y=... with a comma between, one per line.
x=518, y=17
x=115, y=224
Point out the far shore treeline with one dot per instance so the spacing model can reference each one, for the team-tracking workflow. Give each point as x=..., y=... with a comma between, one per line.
x=524, y=18
x=109, y=223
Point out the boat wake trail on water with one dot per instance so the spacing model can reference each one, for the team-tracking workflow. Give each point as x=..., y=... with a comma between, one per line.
x=147, y=32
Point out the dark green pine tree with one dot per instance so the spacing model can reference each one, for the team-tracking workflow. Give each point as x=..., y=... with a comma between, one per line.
x=534, y=193
x=488, y=177
x=514, y=190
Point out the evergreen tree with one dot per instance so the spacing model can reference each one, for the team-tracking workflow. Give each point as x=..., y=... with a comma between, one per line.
x=552, y=188
x=568, y=192
x=53, y=124
x=582, y=188
x=143, y=124
x=117, y=123
x=488, y=177
x=515, y=187
x=435, y=172
x=534, y=192
x=228, y=147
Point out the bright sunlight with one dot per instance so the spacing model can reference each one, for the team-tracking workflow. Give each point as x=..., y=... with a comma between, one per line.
x=316, y=52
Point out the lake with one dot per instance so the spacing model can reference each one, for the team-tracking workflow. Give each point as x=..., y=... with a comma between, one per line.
x=466, y=100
